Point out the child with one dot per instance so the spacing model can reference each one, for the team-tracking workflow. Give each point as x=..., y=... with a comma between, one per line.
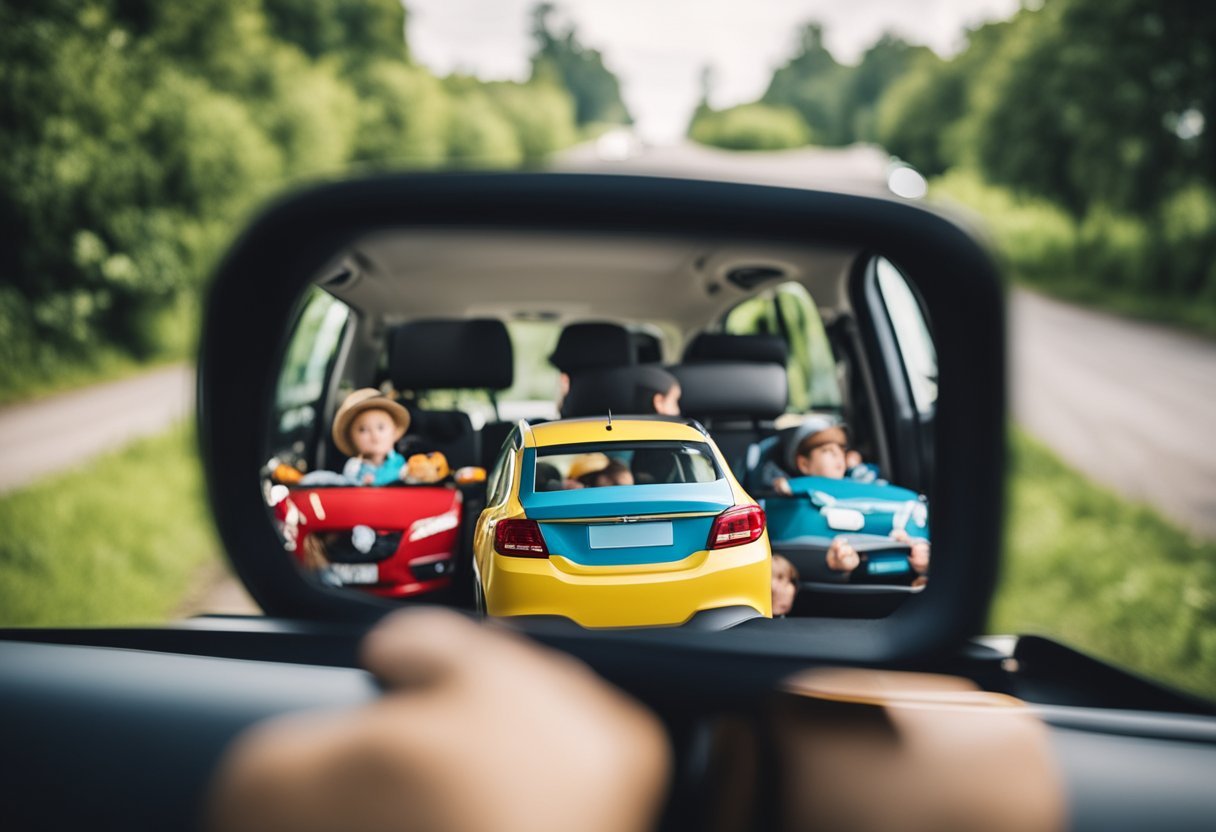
x=816, y=448
x=819, y=448
x=367, y=428
x=614, y=473
x=785, y=585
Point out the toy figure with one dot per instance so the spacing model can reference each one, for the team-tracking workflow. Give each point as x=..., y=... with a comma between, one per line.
x=366, y=429
x=423, y=469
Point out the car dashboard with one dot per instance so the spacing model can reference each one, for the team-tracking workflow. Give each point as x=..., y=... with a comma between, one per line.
x=123, y=728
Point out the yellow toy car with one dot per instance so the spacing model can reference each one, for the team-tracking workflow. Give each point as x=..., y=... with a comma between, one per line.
x=619, y=523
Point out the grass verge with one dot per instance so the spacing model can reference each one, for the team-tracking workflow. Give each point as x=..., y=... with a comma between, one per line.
x=105, y=365
x=117, y=542
x=1114, y=579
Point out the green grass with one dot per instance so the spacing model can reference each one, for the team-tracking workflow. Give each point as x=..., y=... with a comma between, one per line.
x=1111, y=578
x=117, y=542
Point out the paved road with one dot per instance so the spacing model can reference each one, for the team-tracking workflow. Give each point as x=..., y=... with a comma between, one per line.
x=65, y=431
x=1131, y=405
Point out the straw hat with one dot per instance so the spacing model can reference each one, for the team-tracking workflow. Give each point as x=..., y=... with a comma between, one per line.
x=368, y=398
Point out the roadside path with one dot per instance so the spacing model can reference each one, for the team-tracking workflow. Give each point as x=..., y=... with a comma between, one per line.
x=1132, y=405
x=61, y=432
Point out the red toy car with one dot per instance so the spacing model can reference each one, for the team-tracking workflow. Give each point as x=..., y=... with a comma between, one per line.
x=393, y=541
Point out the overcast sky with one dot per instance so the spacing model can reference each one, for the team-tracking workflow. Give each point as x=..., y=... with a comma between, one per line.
x=658, y=47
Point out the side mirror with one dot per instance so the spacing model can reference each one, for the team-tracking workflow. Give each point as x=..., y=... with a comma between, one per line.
x=708, y=234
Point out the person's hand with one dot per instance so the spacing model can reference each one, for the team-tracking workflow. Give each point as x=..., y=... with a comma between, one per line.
x=782, y=486
x=918, y=554
x=478, y=730
x=841, y=556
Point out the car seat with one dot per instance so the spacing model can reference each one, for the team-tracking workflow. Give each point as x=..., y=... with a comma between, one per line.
x=449, y=355
x=736, y=401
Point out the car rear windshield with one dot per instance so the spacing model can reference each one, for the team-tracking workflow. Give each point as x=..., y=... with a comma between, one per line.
x=596, y=464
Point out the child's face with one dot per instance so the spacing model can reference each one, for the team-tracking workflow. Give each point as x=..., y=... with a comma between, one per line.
x=373, y=433
x=784, y=589
x=823, y=460
x=623, y=477
x=667, y=404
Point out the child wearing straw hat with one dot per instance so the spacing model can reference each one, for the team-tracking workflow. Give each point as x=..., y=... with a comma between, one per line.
x=366, y=429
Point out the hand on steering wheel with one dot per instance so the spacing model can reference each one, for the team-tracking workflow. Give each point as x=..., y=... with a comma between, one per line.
x=472, y=728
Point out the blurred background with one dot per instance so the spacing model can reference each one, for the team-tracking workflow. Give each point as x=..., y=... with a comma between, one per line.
x=137, y=137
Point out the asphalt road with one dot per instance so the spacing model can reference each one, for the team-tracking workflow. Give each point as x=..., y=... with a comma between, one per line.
x=1131, y=405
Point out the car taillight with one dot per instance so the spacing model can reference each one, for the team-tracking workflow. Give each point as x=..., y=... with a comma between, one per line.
x=736, y=526
x=519, y=538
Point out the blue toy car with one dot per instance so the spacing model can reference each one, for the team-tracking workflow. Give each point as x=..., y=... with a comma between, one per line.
x=803, y=525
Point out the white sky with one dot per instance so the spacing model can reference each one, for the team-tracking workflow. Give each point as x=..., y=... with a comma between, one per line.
x=658, y=47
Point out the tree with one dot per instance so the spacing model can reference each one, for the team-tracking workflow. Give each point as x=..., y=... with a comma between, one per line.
x=813, y=83
x=1102, y=101
x=884, y=63
x=560, y=58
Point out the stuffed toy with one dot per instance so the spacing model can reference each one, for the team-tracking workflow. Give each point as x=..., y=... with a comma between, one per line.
x=421, y=469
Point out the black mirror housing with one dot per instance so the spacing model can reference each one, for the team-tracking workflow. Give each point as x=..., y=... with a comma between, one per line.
x=259, y=282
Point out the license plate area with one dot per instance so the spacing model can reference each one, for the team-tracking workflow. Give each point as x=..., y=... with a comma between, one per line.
x=356, y=573
x=629, y=535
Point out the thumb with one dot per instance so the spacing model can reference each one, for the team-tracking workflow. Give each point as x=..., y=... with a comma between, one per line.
x=418, y=648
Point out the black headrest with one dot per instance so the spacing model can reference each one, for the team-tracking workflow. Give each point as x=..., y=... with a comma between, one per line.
x=713, y=346
x=721, y=389
x=586, y=346
x=451, y=355
x=623, y=390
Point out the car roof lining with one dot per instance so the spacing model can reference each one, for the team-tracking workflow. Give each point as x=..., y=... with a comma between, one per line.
x=675, y=283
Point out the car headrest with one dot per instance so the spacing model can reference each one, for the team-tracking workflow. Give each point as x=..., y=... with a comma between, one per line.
x=590, y=345
x=713, y=346
x=723, y=389
x=623, y=390
x=451, y=355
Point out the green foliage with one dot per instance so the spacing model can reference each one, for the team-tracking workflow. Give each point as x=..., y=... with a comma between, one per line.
x=750, y=127
x=480, y=135
x=402, y=119
x=1084, y=102
x=914, y=118
x=562, y=60
x=136, y=135
x=1036, y=239
x=119, y=542
x=813, y=84
x=1110, y=578
x=542, y=114
x=357, y=30
x=1161, y=269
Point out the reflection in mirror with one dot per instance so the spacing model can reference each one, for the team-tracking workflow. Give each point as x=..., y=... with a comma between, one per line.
x=617, y=431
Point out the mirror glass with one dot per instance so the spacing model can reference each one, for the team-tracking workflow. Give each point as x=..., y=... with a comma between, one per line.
x=620, y=431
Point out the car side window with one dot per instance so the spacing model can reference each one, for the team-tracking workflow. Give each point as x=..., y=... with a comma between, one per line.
x=912, y=332
x=500, y=477
x=307, y=367
x=789, y=311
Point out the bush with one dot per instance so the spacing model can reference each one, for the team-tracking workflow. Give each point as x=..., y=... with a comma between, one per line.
x=750, y=127
x=1037, y=240
x=479, y=135
x=541, y=113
